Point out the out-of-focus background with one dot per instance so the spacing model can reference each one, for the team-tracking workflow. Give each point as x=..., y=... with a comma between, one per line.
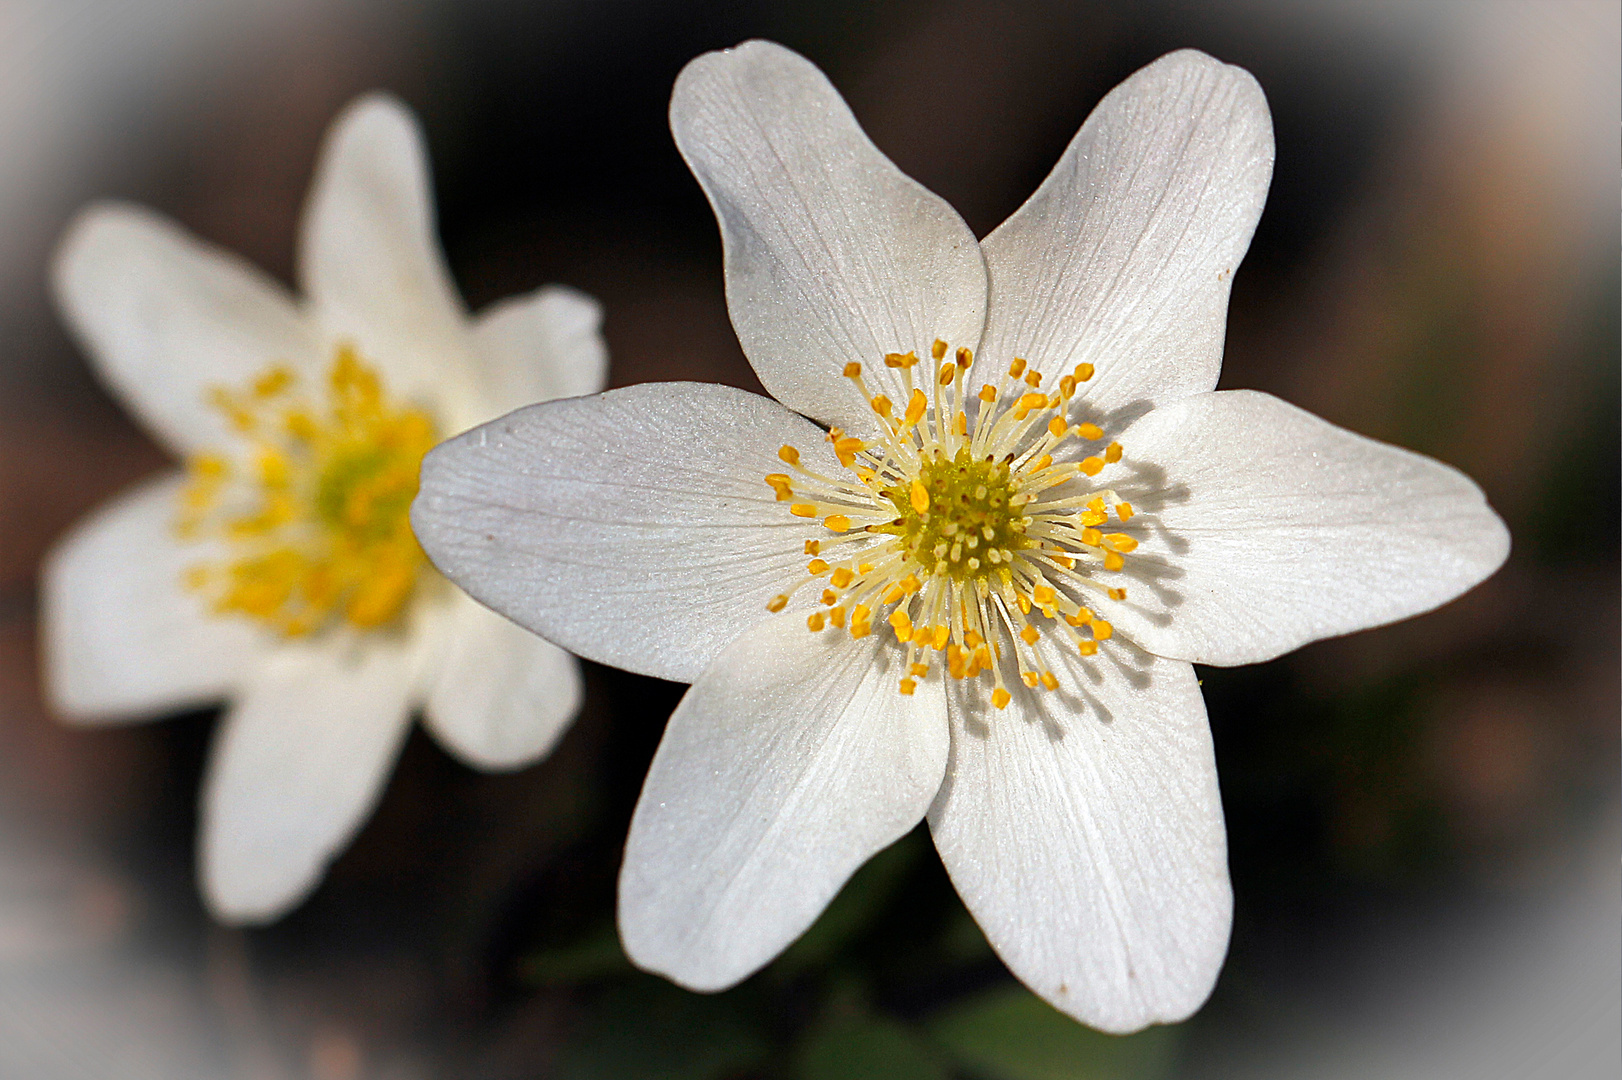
x=1423, y=819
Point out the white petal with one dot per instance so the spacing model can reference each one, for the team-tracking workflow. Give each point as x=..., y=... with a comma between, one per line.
x=832, y=254
x=633, y=528
x=123, y=639
x=540, y=346
x=1272, y=528
x=297, y=765
x=368, y=258
x=164, y=316
x=1083, y=829
x=1124, y=255
x=790, y=762
x=503, y=695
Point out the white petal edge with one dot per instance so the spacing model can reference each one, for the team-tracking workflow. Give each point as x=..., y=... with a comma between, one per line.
x=1124, y=256
x=789, y=763
x=544, y=345
x=1264, y=527
x=298, y=764
x=1083, y=829
x=369, y=262
x=502, y=697
x=163, y=317
x=831, y=253
x=122, y=638
x=633, y=528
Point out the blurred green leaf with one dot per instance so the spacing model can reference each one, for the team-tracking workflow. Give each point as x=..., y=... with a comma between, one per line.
x=592, y=957
x=1011, y=1034
x=649, y=1029
x=864, y=1047
x=862, y=898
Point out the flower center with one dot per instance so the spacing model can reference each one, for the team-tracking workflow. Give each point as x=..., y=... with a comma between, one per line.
x=314, y=514
x=970, y=539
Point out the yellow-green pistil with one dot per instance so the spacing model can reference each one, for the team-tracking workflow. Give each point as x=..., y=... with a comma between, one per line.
x=967, y=536
x=313, y=509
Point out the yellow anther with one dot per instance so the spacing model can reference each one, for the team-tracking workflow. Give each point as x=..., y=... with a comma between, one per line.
x=864, y=568
x=881, y=405
x=901, y=625
x=900, y=360
x=1117, y=594
x=277, y=377
x=918, y=497
x=973, y=640
x=916, y=406
x=941, y=636
x=1067, y=386
x=893, y=593
x=1000, y=698
x=1032, y=401
x=789, y=454
x=965, y=357
x=938, y=350
x=920, y=670
x=988, y=393
x=860, y=629
x=1102, y=630
x=1029, y=635
x=1092, y=537
x=947, y=373
x=846, y=449
x=853, y=370
x=1120, y=542
x=1049, y=682
x=1087, y=648
x=961, y=424
x=1028, y=678
x=836, y=523
x=829, y=598
x=841, y=577
x=813, y=546
x=1017, y=368
x=1090, y=431
x=1044, y=595
x=815, y=621
x=805, y=510
x=911, y=584
x=908, y=686
x=1056, y=427
x=1041, y=463
x=1112, y=453
x=816, y=568
x=1113, y=561
x=836, y=615
x=861, y=613
x=1084, y=372
x=1092, y=466
x=1033, y=378
x=777, y=603
x=1124, y=511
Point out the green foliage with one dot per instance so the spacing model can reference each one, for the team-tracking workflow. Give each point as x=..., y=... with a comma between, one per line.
x=652, y=1030
x=863, y=1047
x=1011, y=1034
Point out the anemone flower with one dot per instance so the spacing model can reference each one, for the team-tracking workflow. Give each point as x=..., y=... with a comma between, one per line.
x=277, y=569
x=961, y=567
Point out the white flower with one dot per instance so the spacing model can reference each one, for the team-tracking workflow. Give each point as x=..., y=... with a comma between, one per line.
x=279, y=571
x=1028, y=685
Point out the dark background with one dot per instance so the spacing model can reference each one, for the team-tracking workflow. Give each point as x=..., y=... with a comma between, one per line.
x=1422, y=819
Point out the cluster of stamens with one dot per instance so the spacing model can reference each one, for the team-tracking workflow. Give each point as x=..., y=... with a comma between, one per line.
x=315, y=513
x=968, y=538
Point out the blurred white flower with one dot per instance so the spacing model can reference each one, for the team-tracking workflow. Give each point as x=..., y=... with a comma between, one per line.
x=278, y=570
x=1046, y=527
